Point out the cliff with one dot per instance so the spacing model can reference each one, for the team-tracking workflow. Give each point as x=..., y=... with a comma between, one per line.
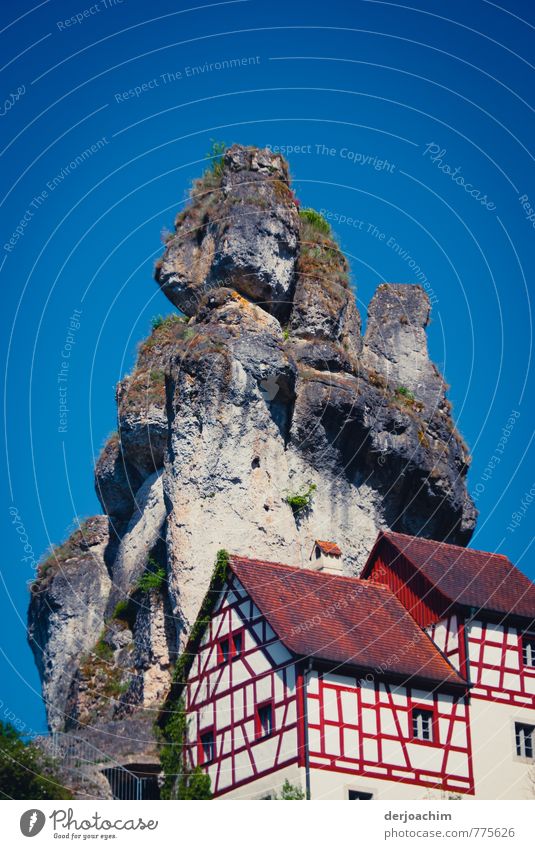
x=261, y=389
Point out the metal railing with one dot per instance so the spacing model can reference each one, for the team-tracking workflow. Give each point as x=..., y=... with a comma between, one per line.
x=82, y=760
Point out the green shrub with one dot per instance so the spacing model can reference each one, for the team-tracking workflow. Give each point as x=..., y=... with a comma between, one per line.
x=25, y=771
x=405, y=393
x=153, y=578
x=102, y=649
x=195, y=785
x=316, y=219
x=126, y=611
x=121, y=609
x=291, y=791
x=302, y=499
x=156, y=321
x=215, y=153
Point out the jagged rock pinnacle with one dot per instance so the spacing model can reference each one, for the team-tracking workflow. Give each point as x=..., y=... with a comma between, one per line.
x=264, y=388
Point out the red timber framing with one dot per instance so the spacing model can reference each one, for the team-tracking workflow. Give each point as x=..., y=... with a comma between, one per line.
x=365, y=728
x=497, y=669
x=448, y=634
x=224, y=696
x=386, y=565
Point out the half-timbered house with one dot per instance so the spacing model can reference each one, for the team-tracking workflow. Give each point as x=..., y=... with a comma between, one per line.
x=415, y=680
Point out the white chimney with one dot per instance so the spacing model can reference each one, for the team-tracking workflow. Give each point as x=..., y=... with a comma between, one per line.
x=326, y=557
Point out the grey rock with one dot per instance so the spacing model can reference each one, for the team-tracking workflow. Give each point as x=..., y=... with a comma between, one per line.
x=240, y=231
x=267, y=389
x=66, y=613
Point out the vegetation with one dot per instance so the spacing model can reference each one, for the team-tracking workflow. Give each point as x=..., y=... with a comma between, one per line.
x=161, y=321
x=102, y=649
x=153, y=578
x=407, y=399
x=125, y=611
x=173, y=730
x=290, y=792
x=215, y=154
x=302, y=499
x=60, y=553
x=25, y=771
x=195, y=785
x=319, y=256
x=317, y=220
x=403, y=392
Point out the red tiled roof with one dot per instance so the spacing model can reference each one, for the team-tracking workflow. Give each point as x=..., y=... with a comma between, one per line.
x=339, y=619
x=472, y=578
x=328, y=547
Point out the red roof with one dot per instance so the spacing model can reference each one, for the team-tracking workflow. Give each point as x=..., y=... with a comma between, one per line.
x=342, y=620
x=472, y=578
x=328, y=547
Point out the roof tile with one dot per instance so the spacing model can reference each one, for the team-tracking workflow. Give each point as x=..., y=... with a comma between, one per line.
x=342, y=620
x=472, y=578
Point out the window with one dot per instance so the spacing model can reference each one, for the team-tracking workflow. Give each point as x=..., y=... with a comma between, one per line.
x=525, y=740
x=230, y=647
x=528, y=650
x=238, y=644
x=224, y=651
x=264, y=721
x=357, y=794
x=422, y=724
x=207, y=747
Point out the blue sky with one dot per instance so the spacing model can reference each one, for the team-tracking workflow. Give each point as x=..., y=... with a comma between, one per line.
x=415, y=124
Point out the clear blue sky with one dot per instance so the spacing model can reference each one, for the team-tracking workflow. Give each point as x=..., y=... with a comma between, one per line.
x=350, y=84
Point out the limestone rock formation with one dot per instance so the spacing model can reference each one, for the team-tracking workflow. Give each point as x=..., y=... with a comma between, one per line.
x=264, y=390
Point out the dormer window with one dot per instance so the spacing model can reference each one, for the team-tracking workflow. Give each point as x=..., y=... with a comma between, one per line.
x=528, y=650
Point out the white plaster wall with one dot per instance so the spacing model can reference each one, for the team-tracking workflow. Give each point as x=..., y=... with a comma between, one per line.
x=269, y=784
x=332, y=785
x=498, y=773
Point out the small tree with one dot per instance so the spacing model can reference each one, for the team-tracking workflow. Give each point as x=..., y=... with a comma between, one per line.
x=195, y=785
x=25, y=771
x=291, y=792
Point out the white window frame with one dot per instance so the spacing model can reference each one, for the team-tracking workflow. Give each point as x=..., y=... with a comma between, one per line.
x=528, y=651
x=418, y=724
x=522, y=756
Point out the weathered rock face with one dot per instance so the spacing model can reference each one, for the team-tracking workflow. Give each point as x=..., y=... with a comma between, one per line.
x=67, y=611
x=241, y=229
x=268, y=391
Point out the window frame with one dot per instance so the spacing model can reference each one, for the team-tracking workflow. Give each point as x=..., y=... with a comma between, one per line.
x=241, y=634
x=517, y=725
x=361, y=795
x=202, y=759
x=231, y=654
x=431, y=710
x=259, y=729
x=528, y=640
x=222, y=656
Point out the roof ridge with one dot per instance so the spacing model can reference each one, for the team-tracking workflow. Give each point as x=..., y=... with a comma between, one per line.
x=448, y=545
x=350, y=578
